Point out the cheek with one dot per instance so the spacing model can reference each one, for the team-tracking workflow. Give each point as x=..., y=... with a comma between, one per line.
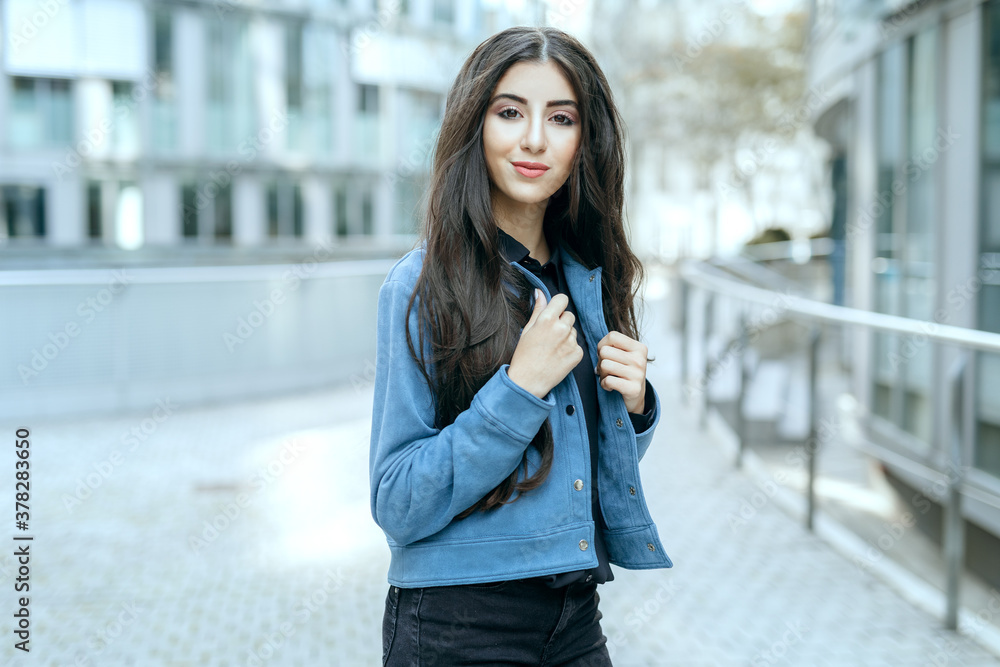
x=572, y=147
x=496, y=139
x=489, y=140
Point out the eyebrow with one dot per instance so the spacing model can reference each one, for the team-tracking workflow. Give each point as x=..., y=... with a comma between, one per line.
x=550, y=103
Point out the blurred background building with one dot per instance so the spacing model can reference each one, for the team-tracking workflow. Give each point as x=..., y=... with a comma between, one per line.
x=200, y=126
x=288, y=136
x=912, y=93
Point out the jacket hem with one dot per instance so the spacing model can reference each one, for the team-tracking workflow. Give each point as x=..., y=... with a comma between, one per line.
x=511, y=557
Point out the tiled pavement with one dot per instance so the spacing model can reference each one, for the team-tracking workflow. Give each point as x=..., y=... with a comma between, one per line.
x=241, y=535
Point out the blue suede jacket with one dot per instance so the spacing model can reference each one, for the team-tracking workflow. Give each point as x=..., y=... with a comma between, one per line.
x=422, y=476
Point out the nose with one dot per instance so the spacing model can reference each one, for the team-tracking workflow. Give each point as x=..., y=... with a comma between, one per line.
x=534, y=139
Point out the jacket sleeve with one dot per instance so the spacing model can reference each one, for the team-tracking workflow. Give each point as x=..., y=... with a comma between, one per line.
x=642, y=421
x=421, y=476
x=643, y=439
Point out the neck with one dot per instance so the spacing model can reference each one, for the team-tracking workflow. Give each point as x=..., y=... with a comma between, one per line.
x=527, y=226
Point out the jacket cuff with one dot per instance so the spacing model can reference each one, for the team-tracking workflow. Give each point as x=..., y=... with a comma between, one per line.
x=512, y=408
x=643, y=421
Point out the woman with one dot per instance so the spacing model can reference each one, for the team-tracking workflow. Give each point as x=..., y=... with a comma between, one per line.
x=510, y=383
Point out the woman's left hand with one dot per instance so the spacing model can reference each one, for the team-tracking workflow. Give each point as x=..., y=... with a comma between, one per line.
x=621, y=364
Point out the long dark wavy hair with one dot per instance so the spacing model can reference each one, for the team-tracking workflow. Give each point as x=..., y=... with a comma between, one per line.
x=471, y=299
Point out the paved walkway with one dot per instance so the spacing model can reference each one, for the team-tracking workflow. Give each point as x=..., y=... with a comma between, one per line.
x=241, y=535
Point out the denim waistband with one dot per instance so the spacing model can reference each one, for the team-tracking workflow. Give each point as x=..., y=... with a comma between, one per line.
x=532, y=582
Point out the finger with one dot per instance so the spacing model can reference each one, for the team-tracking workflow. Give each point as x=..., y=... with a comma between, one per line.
x=537, y=309
x=624, y=388
x=568, y=317
x=559, y=303
x=608, y=367
x=621, y=385
x=621, y=341
x=617, y=354
x=568, y=344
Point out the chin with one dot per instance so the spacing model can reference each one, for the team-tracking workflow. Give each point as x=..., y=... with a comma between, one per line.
x=531, y=197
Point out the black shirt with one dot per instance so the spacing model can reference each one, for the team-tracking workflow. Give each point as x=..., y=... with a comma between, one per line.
x=551, y=274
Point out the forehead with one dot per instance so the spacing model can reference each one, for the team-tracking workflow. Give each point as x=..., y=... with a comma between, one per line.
x=538, y=82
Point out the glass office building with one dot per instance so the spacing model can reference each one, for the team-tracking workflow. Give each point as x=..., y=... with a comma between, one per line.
x=912, y=99
x=220, y=123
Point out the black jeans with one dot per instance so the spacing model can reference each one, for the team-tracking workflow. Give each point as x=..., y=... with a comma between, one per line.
x=520, y=622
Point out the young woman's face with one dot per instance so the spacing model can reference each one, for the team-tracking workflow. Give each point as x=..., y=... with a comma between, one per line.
x=532, y=117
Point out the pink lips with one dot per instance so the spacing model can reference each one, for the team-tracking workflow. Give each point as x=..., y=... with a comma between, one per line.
x=530, y=169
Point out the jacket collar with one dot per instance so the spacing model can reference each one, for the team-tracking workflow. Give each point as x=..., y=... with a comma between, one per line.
x=514, y=251
x=575, y=272
x=578, y=277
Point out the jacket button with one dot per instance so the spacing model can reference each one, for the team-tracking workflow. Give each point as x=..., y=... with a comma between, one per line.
x=583, y=545
x=631, y=490
x=591, y=277
x=578, y=485
x=570, y=409
x=651, y=547
x=619, y=422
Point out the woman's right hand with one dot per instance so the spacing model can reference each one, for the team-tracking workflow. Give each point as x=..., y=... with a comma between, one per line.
x=547, y=351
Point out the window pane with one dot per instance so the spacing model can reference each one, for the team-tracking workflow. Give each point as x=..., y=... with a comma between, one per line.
x=125, y=129
x=293, y=65
x=922, y=123
x=366, y=127
x=189, y=210
x=367, y=98
x=224, y=213
x=366, y=212
x=918, y=274
x=41, y=113
x=297, y=121
x=163, y=52
x=890, y=108
x=891, y=66
x=987, y=445
x=164, y=127
x=318, y=67
x=95, y=225
x=25, y=128
x=296, y=191
x=24, y=210
x=991, y=130
x=229, y=80
x=340, y=206
x=60, y=112
x=272, y=210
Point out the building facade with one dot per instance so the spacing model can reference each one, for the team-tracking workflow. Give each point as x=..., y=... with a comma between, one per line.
x=135, y=124
x=913, y=94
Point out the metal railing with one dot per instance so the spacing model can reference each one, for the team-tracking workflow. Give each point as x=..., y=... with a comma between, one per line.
x=714, y=281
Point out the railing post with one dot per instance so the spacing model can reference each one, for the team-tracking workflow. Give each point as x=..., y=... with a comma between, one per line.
x=812, y=444
x=741, y=425
x=954, y=523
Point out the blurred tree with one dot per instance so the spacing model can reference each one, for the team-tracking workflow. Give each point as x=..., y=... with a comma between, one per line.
x=712, y=83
